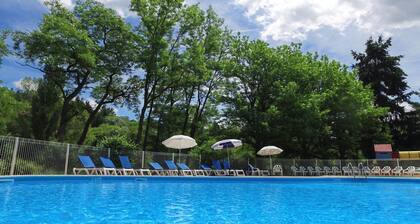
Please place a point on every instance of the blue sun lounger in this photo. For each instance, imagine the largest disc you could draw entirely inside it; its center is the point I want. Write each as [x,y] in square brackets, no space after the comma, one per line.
[219,171]
[186,171]
[157,169]
[206,168]
[109,166]
[88,166]
[172,168]
[126,165]
[226,165]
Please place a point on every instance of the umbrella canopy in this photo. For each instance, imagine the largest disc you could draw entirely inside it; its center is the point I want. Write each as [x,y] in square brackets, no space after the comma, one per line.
[227,143]
[179,142]
[269,151]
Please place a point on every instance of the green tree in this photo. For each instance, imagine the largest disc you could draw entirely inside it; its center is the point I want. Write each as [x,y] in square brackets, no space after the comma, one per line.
[157,47]
[114,53]
[3,46]
[310,106]
[62,49]
[12,113]
[206,48]
[382,72]
[188,81]
[45,110]
[409,135]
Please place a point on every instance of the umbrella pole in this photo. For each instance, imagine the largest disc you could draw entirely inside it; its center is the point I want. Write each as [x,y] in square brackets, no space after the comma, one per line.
[228,155]
[271,164]
[179,155]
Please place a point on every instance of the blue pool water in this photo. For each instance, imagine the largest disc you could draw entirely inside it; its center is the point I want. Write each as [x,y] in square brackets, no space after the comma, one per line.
[211,200]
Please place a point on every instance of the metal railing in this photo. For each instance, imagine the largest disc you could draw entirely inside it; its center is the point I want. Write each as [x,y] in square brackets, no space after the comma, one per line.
[20,156]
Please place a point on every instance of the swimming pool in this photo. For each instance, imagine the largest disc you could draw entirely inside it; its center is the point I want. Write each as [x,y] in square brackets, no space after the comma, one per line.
[208,200]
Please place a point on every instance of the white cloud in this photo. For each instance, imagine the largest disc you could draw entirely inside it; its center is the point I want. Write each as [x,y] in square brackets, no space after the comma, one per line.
[407,107]
[18,84]
[92,102]
[293,20]
[66,3]
[122,7]
[115,109]
[25,84]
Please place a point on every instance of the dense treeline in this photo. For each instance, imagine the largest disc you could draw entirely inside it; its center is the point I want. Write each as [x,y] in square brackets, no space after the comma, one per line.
[181,71]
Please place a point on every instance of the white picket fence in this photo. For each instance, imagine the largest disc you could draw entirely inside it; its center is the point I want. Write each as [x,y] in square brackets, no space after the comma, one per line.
[21,156]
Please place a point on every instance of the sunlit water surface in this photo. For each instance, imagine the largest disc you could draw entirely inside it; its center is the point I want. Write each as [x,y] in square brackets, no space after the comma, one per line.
[169,200]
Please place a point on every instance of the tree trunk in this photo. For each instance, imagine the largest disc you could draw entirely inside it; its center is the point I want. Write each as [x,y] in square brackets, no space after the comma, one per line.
[140,125]
[52,125]
[63,120]
[87,124]
[193,127]
[198,113]
[146,132]
[159,126]
[187,111]
[163,119]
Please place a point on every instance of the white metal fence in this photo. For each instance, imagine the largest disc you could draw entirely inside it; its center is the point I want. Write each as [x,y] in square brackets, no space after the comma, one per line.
[20,156]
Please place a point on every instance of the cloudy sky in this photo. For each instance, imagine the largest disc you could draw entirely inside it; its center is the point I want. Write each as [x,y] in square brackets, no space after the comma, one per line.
[331,27]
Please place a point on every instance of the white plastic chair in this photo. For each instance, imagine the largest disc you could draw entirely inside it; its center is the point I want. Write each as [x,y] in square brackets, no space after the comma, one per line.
[376,170]
[409,171]
[397,171]
[327,170]
[336,171]
[319,171]
[277,169]
[386,170]
[311,170]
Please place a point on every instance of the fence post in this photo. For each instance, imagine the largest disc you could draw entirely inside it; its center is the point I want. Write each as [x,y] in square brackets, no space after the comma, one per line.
[67,159]
[15,149]
[142,159]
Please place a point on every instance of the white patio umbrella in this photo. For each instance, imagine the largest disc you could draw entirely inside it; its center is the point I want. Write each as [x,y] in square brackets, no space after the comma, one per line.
[227,144]
[269,151]
[179,142]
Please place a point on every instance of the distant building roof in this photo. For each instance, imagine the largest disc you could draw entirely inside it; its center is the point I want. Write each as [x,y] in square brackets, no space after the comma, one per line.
[383,147]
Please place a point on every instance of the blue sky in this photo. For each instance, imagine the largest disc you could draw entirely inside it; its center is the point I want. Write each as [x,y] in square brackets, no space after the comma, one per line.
[331,27]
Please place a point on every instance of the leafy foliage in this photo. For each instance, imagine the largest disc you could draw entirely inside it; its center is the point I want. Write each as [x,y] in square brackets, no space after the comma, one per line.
[383,74]
[3,47]
[182,71]
[311,107]
[117,143]
[11,110]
